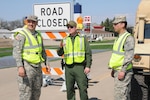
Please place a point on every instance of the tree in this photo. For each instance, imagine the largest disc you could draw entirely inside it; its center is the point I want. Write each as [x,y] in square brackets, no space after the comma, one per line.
[15,24]
[10,25]
[108,25]
[102,23]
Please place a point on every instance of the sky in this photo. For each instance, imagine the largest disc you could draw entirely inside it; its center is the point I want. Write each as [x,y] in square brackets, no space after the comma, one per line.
[99,10]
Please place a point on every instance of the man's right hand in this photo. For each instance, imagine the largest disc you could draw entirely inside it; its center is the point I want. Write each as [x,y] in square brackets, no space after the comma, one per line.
[61,44]
[112,73]
[21,72]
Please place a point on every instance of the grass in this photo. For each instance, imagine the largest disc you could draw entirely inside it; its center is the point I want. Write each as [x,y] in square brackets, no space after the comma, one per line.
[101,46]
[51,47]
[95,45]
[105,41]
[5,49]
[5,52]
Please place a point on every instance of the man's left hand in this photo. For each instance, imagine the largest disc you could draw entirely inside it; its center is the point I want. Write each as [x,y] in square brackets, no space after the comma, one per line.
[121,75]
[48,69]
[86,70]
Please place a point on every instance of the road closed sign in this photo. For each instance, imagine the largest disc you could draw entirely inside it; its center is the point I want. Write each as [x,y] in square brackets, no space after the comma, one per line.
[52,16]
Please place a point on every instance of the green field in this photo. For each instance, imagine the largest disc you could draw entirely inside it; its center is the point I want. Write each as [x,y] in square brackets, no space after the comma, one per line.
[94,45]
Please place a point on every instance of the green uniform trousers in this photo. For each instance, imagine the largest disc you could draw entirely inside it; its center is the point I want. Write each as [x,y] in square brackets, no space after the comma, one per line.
[75,73]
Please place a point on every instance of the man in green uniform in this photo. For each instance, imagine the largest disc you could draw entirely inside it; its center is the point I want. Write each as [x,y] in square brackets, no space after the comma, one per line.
[78,59]
[29,52]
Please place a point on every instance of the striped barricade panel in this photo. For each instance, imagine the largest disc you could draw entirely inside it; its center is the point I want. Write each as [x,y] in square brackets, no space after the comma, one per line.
[52,53]
[52,35]
[54,71]
[44,70]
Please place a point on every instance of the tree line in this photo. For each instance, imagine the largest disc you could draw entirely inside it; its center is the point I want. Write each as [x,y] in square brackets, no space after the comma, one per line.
[109,26]
[11,25]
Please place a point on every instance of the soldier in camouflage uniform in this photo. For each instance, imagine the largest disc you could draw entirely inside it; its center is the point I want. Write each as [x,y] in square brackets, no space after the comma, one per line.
[121,59]
[29,53]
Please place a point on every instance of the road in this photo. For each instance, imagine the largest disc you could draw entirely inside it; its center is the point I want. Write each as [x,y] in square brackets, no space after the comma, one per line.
[100,85]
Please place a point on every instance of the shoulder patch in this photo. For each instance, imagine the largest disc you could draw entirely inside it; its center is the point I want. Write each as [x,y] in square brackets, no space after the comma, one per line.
[18,36]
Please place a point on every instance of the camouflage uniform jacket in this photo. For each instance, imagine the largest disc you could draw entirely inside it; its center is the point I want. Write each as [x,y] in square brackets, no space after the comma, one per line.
[129,52]
[18,45]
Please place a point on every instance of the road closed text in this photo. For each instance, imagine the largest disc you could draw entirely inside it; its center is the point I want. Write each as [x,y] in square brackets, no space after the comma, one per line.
[52,22]
[53,16]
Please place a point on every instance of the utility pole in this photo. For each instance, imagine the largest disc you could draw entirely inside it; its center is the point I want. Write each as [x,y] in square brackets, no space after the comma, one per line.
[73,3]
[0,23]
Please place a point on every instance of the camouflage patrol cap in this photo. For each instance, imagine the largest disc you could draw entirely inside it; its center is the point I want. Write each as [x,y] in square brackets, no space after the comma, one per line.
[119,19]
[33,18]
[72,23]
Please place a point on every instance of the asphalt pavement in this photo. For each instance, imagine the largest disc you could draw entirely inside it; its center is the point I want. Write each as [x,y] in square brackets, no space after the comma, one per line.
[100,85]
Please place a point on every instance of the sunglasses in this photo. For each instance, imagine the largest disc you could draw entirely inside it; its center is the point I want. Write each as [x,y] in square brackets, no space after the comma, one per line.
[115,23]
[118,23]
[70,27]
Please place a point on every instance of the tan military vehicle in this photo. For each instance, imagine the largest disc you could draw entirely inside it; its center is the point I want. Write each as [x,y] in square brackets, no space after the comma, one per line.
[140,89]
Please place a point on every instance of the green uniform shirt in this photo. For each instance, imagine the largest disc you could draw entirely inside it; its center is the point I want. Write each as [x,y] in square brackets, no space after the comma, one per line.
[88,53]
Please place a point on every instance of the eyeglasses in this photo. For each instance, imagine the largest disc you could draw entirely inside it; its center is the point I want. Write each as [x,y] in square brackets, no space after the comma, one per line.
[31,21]
[70,27]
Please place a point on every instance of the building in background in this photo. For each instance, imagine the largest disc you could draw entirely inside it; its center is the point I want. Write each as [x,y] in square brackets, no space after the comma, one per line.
[5,34]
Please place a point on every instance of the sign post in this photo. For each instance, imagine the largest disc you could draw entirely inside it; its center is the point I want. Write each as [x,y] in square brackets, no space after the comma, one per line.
[52,21]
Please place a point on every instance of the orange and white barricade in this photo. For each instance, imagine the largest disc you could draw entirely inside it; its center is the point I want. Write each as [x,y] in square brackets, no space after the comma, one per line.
[53,71]
[52,53]
[54,35]
[46,77]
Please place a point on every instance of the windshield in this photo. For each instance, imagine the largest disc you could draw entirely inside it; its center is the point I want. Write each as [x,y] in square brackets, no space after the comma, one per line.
[147,31]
